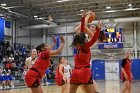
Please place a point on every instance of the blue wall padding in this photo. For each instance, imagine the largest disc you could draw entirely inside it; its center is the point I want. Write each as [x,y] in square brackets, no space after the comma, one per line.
[98,69]
[1,29]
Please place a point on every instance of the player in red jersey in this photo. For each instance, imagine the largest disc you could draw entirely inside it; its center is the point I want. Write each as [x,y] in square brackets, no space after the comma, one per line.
[81,74]
[126,73]
[37,71]
[59,77]
[90,32]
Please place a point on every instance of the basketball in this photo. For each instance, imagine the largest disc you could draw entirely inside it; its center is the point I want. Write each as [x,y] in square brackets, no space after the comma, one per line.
[92,17]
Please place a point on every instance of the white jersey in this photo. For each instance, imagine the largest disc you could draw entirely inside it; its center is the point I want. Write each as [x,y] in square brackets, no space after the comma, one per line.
[67,71]
[30,62]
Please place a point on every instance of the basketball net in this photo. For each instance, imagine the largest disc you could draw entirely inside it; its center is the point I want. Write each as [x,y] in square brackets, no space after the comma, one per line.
[111,22]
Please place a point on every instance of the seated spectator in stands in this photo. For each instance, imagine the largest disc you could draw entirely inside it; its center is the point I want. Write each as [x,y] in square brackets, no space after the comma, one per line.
[11,58]
[9,65]
[4,61]
[4,80]
[1,79]
[1,57]
[14,65]
[8,81]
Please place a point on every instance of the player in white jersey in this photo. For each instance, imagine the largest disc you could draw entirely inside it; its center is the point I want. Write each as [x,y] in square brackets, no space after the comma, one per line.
[29,62]
[67,72]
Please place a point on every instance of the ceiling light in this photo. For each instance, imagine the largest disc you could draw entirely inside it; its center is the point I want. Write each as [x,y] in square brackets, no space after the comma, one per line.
[128,9]
[108,7]
[4,7]
[9,11]
[82,10]
[3,4]
[130,5]
[40,18]
[110,11]
[62,0]
[35,16]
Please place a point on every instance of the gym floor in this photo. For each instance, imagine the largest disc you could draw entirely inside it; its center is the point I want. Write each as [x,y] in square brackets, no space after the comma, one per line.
[105,87]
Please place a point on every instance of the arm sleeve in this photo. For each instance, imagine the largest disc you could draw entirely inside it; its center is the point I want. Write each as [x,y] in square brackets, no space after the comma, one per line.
[123,63]
[45,54]
[82,24]
[93,40]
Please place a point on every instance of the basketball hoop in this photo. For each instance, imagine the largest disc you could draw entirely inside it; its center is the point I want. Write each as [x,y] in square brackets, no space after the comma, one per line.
[111,20]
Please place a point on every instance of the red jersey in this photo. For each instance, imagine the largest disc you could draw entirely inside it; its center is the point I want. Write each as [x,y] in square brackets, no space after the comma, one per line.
[83,54]
[9,65]
[42,63]
[58,75]
[126,64]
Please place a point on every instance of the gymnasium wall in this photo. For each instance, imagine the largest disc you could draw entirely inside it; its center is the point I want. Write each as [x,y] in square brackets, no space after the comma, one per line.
[127,32]
[67,31]
[8,35]
[105,70]
[138,34]
[33,37]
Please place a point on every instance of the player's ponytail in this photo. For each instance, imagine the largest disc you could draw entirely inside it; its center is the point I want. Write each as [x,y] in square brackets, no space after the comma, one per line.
[60,58]
[40,47]
[78,39]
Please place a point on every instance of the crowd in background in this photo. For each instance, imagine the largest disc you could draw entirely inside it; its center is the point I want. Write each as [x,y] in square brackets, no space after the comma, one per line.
[12,65]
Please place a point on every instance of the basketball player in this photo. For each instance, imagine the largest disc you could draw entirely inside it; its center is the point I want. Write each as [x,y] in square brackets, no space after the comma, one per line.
[90,32]
[67,72]
[31,60]
[37,71]
[59,77]
[81,74]
[126,73]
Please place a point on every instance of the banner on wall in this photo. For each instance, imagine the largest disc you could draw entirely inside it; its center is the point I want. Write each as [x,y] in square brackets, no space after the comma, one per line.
[7,24]
[74,51]
[1,29]
[58,42]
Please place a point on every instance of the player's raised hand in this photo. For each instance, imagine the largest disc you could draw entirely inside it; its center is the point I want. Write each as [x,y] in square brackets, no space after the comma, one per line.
[99,24]
[54,40]
[62,39]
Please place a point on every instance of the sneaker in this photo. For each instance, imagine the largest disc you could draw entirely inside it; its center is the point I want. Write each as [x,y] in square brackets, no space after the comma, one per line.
[12,86]
[48,83]
[7,87]
[4,87]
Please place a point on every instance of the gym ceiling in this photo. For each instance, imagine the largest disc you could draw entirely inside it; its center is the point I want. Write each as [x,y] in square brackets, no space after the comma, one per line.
[31,12]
